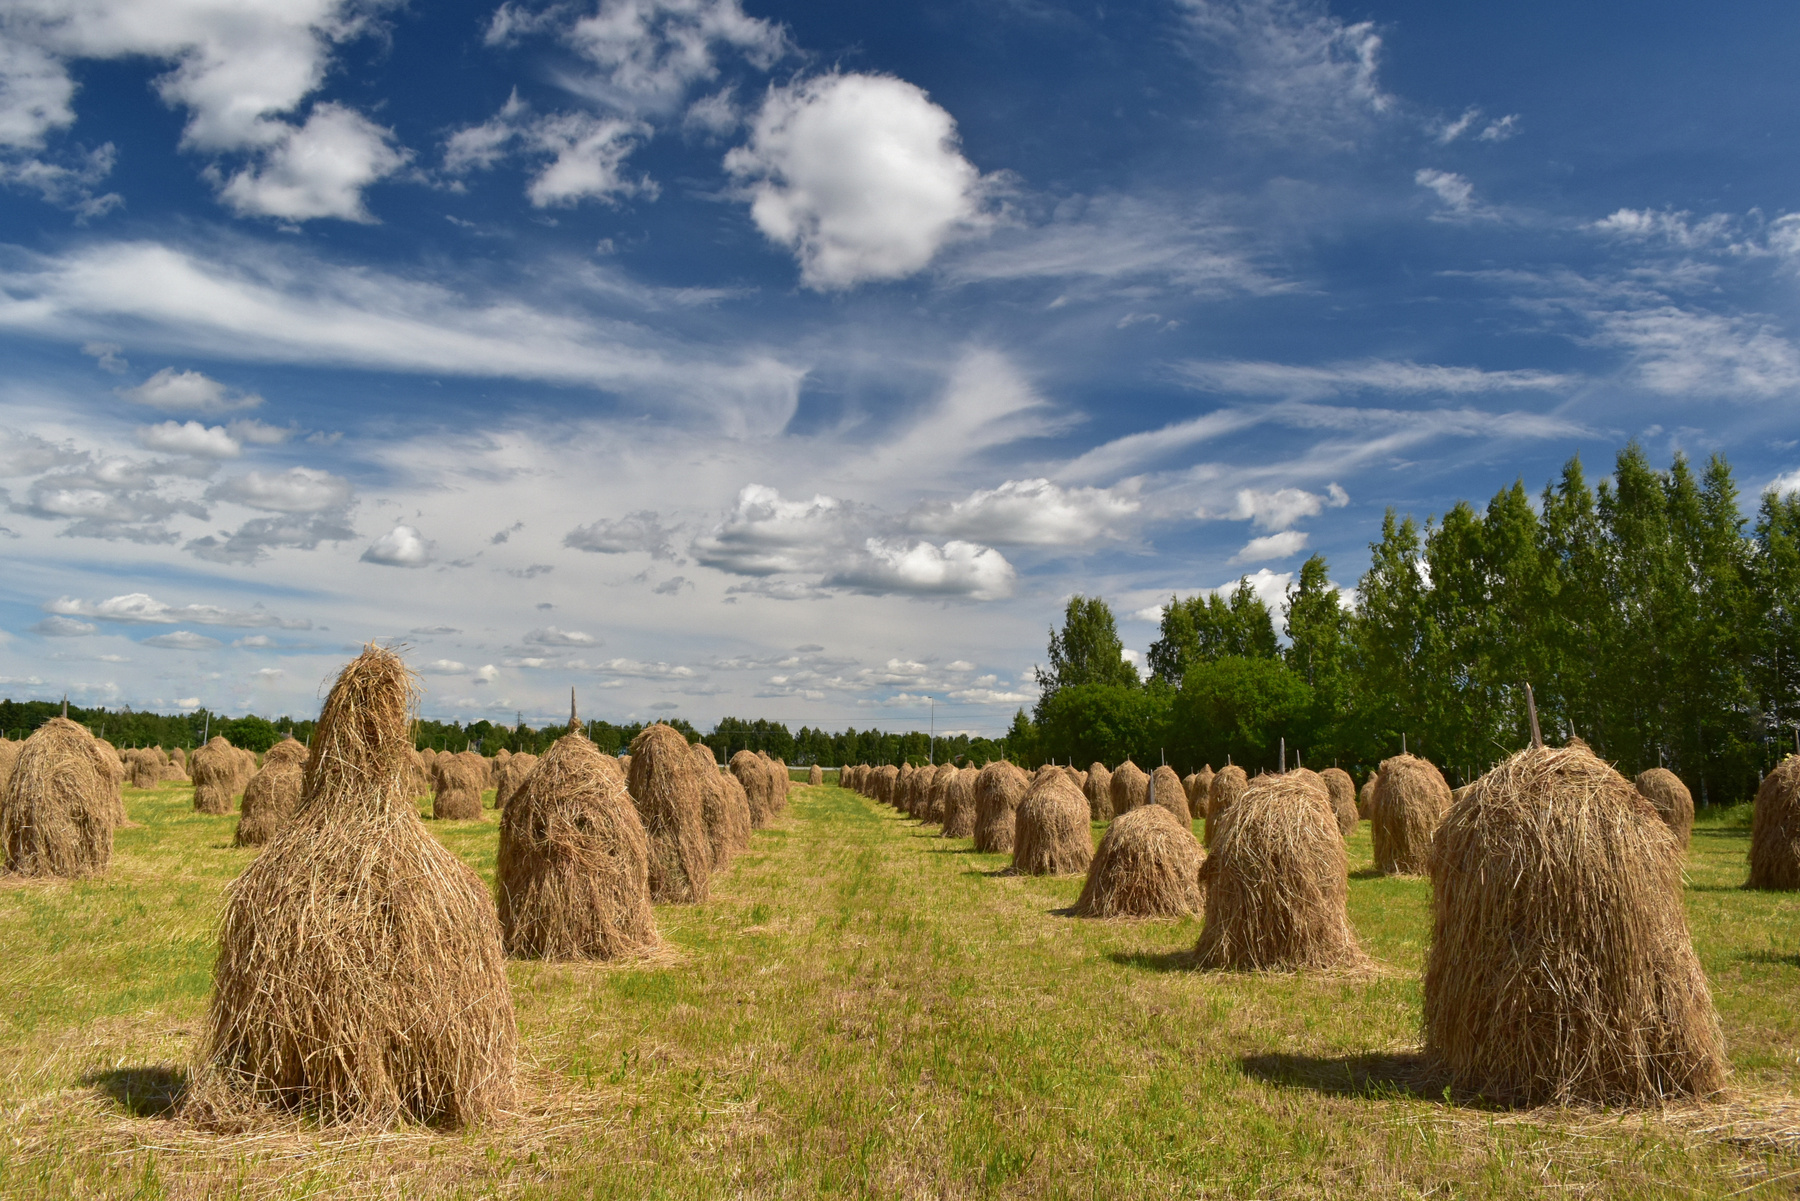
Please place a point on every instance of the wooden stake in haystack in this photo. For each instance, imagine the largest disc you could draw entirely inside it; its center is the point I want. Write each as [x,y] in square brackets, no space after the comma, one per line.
[360,975]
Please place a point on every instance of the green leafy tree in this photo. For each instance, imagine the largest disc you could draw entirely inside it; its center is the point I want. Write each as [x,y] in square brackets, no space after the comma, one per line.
[1775,646]
[1086,650]
[1107,722]
[250,732]
[1320,652]
[1239,709]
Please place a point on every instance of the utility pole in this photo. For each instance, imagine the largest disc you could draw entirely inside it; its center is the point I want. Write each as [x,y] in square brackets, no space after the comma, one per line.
[931,746]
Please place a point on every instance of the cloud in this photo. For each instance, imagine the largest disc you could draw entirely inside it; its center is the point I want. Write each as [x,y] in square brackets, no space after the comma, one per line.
[64,627]
[254,642]
[318,169]
[402,546]
[1281,508]
[486,674]
[116,498]
[190,438]
[640,531]
[639,669]
[139,608]
[1784,485]
[1678,229]
[1500,129]
[24,454]
[296,490]
[1032,512]
[1273,546]
[69,183]
[442,667]
[182,640]
[551,636]
[672,586]
[1454,190]
[1254,378]
[106,356]
[252,541]
[188,392]
[887,566]
[1681,352]
[860,176]
[648,53]
[765,535]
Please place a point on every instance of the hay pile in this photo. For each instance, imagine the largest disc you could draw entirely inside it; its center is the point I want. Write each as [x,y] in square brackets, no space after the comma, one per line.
[573,875]
[1775,829]
[1197,785]
[959,804]
[178,759]
[510,777]
[1166,790]
[1343,798]
[480,766]
[1560,967]
[9,755]
[456,792]
[1277,882]
[1128,787]
[1365,797]
[215,768]
[1148,865]
[1098,791]
[143,768]
[887,783]
[999,787]
[665,783]
[815,775]
[1671,800]
[1228,785]
[724,808]
[937,792]
[272,794]
[56,810]
[1078,778]
[1050,828]
[759,786]
[113,764]
[1410,800]
[360,975]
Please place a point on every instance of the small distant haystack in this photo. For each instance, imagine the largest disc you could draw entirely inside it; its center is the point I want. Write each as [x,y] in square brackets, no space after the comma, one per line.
[1166,790]
[938,793]
[456,794]
[143,768]
[758,786]
[1128,787]
[783,782]
[1277,882]
[724,808]
[999,787]
[511,777]
[1050,831]
[481,766]
[1343,798]
[1197,786]
[665,783]
[1228,785]
[1365,797]
[1148,865]
[816,775]
[272,794]
[1775,829]
[573,875]
[174,766]
[1098,791]
[887,784]
[1410,800]
[215,768]
[1671,800]
[56,810]
[360,975]
[1561,970]
[179,758]
[959,804]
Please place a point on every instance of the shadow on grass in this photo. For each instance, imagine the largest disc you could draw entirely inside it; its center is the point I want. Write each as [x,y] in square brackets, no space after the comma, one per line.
[143,1092]
[1770,958]
[1155,961]
[1367,873]
[1377,1076]
[952,850]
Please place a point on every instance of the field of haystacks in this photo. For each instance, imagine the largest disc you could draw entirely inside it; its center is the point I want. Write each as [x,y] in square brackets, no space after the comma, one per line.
[862,1006]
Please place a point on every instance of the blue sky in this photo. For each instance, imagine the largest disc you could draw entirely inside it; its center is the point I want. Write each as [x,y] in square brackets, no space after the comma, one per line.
[714,356]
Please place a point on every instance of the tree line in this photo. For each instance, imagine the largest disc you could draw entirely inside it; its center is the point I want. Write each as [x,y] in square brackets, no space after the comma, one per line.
[1651,618]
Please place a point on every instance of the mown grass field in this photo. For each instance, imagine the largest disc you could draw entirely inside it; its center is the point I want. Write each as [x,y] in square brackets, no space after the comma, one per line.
[865,1009]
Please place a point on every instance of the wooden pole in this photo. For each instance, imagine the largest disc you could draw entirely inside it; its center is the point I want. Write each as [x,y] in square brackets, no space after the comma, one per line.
[1537,735]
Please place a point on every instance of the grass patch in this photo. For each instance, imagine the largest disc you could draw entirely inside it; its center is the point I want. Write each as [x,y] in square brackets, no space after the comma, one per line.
[864,1009]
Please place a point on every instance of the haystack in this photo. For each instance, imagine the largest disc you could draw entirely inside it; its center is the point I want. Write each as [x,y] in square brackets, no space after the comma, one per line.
[143,768]
[215,768]
[481,766]
[724,809]
[1050,828]
[1277,882]
[174,768]
[1342,790]
[1197,785]
[1098,791]
[1077,777]
[999,787]
[938,792]
[511,777]
[457,790]
[112,762]
[1128,787]
[815,776]
[1671,800]
[1365,797]
[1167,791]
[573,876]
[56,810]
[179,758]
[887,783]
[959,804]
[1228,785]
[665,783]
[360,975]
[272,794]
[1560,968]
[418,775]
[758,787]
[1148,865]
[1410,800]
[1775,829]
[9,755]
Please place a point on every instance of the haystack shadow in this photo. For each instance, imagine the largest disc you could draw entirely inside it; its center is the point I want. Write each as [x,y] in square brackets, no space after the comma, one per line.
[1374,1075]
[1156,961]
[152,1091]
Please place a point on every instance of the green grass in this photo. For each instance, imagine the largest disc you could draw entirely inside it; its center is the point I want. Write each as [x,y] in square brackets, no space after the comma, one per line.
[864,1009]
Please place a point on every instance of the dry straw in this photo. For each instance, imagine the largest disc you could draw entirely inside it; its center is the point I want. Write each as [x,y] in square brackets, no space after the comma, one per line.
[724,809]
[113,764]
[999,787]
[887,782]
[1128,787]
[1277,882]
[1560,968]
[759,787]
[511,777]
[56,811]
[665,783]
[815,775]
[1365,797]
[1671,800]
[573,875]
[1197,786]
[143,768]
[1051,834]
[1342,790]
[1098,791]
[457,795]
[1166,790]
[1775,829]
[360,975]
[1228,785]
[1148,865]
[938,792]
[1410,800]
[959,804]
[215,768]
[272,794]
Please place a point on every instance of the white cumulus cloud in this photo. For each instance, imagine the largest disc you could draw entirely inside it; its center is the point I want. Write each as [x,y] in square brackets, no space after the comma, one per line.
[190,438]
[1273,546]
[296,490]
[922,569]
[318,169]
[182,640]
[402,546]
[1281,508]
[189,392]
[1031,512]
